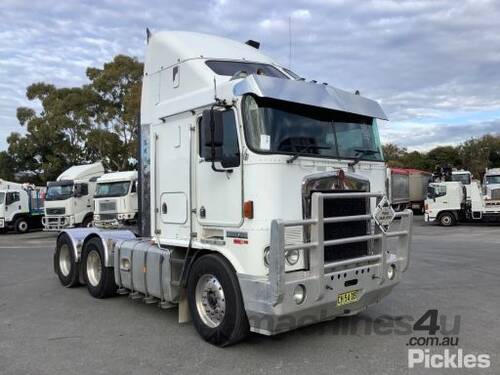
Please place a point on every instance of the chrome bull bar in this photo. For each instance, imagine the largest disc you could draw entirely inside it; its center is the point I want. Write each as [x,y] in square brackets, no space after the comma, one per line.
[316,245]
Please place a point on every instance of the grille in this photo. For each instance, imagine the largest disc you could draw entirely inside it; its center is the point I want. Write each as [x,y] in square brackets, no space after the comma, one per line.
[495,194]
[107,206]
[107,216]
[333,231]
[55,211]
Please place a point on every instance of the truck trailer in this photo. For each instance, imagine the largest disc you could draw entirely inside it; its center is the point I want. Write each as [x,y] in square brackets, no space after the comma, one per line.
[262,198]
[21,207]
[418,183]
[69,201]
[398,188]
[116,200]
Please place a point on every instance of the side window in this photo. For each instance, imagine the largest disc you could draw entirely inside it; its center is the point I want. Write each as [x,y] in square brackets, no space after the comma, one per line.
[440,191]
[12,198]
[231,148]
[84,189]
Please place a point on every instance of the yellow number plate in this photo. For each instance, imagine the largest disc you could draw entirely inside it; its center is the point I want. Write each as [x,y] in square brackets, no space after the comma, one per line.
[347,298]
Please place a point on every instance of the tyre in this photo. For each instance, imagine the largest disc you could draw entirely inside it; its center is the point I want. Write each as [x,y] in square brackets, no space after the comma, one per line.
[215,301]
[100,280]
[87,222]
[21,225]
[447,219]
[64,262]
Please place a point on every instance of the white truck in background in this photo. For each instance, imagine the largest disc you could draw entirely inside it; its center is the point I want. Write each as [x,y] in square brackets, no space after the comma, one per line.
[262,198]
[452,202]
[116,200]
[491,185]
[21,207]
[69,201]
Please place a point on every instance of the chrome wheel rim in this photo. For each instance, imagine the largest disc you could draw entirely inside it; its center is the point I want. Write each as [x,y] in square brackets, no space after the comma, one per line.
[64,260]
[210,300]
[94,268]
[446,220]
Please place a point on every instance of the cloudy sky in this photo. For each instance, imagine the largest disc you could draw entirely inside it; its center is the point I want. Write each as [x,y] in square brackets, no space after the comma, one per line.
[434,65]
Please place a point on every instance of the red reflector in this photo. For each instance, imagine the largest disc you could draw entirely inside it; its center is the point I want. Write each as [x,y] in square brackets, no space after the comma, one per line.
[238,241]
[248,209]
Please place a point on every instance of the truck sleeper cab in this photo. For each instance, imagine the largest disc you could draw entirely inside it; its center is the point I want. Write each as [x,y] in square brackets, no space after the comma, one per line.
[263,198]
[115,200]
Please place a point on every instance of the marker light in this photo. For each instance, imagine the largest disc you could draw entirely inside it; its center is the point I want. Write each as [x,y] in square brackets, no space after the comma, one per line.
[248,209]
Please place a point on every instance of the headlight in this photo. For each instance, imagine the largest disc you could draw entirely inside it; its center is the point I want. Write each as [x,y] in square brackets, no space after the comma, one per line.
[391,272]
[299,294]
[292,257]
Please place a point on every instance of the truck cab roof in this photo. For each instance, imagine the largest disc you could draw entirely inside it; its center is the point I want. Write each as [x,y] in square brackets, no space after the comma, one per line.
[117,176]
[82,172]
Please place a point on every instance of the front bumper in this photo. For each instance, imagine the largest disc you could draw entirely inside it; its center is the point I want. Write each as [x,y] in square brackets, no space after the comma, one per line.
[57,223]
[269,301]
[113,221]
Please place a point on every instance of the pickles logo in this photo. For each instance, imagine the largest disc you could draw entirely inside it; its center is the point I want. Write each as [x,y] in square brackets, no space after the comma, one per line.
[448,359]
[452,356]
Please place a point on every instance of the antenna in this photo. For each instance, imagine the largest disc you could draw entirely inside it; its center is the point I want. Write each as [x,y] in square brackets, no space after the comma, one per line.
[290,42]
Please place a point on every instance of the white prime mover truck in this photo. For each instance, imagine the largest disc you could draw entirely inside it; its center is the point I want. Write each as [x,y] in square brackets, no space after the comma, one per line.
[69,201]
[491,184]
[262,198]
[116,200]
[21,207]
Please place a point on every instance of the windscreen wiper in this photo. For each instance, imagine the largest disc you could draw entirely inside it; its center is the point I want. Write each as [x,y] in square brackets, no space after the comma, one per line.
[360,152]
[303,152]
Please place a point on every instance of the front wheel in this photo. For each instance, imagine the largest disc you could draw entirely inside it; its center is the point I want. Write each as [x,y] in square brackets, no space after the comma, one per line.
[100,279]
[215,301]
[21,225]
[447,219]
[87,222]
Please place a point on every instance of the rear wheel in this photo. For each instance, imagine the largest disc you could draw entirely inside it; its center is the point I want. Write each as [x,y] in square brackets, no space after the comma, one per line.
[21,225]
[447,219]
[215,301]
[64,262]
[100,280]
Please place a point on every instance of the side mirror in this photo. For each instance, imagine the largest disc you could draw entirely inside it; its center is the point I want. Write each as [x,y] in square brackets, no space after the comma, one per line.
[212,135]
[77,192]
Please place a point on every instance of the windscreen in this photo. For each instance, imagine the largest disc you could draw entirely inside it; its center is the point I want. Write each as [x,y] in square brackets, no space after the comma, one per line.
[464,178]
[57,192]
[492,179]
[273,126]
[112,189]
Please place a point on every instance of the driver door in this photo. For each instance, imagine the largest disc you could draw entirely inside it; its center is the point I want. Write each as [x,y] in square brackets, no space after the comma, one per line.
[219,194]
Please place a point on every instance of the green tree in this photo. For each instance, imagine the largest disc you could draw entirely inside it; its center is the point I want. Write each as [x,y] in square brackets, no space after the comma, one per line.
[80,124]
